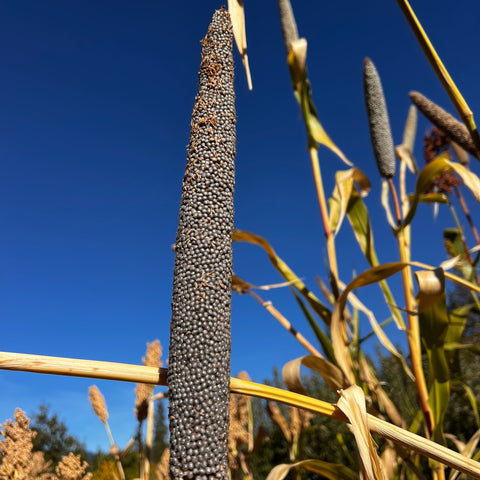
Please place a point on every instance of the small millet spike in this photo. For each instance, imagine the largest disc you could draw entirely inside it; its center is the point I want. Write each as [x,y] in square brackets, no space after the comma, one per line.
[378,121]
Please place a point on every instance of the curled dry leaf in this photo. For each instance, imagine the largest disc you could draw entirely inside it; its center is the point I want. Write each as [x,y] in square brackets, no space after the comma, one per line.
[332,375]
[352,404]
[344,188]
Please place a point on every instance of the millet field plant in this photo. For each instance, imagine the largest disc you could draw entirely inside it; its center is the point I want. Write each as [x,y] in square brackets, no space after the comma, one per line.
[211,414]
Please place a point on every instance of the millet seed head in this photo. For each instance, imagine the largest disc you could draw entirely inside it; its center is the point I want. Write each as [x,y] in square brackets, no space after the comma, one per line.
[378,121]
[199,353]
[449,125]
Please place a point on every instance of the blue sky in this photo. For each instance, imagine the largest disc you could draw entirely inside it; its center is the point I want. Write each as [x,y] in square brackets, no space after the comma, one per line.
[96,99]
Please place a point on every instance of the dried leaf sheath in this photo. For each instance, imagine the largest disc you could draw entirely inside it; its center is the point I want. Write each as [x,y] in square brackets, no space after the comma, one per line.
[199,356]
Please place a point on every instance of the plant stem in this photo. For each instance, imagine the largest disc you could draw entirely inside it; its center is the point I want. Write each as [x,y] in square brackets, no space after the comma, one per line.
[114,449]
[148,438]
[413,332]
[317,175]
[286,324]
[158,376]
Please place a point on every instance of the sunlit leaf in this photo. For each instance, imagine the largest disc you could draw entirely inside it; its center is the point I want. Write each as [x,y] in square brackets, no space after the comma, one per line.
[237,15]
[437,65]
[431,172]
[373,275]
[332,471]
[434,321]
[453,241]
[360,221]
[322,337]
[385,200]
[332,375]
[405,150]
[352,404]
[382,337]
[383,399]
[344,185]
[321,310]
[316,133]
[467,451]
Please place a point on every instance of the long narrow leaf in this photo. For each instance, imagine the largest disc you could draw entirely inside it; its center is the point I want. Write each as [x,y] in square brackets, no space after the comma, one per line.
[322,337]
[359,220]
[332,471]
[321,310]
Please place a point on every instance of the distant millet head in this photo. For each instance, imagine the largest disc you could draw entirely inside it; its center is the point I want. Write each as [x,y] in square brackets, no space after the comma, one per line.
[378,121]
[449,125]
[199,353]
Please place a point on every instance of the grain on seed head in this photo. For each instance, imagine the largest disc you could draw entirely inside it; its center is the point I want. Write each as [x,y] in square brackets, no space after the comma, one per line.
[449,125]
[378,121]
[199,353]
[97,400]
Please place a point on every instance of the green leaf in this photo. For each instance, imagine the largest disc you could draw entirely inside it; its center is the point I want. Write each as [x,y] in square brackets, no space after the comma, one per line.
[434,322]
[298,73]
[430,173]
[359,219]
[322,337]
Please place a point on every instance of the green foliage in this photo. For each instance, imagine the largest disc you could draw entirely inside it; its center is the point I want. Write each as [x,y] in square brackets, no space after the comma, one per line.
[160,432]
[53,438]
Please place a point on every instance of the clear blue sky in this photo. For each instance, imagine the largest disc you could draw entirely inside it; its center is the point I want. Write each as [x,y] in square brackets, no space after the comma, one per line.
[95,105]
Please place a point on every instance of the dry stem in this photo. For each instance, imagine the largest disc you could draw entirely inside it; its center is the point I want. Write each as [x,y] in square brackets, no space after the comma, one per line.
[139,373]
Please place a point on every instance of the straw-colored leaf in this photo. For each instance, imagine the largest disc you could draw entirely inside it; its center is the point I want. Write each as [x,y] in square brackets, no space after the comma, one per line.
[431,198]
[404,151]
[352,404]
[298,72]
[332,375]
[469,178]
[382,337]
[434,322]
[455,246]
[344,187]
[276,415]
[389,461]
[437,65]
[385,200]
[467,450]
[321,310]
[373,275]
[431,172]
[359,220]
[383,399]
[332,471]
[237,16]
[139,373]
[322,337]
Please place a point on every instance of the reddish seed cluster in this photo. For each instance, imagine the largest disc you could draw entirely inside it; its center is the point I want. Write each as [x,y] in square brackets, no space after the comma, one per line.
[199,354]
[434,144]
